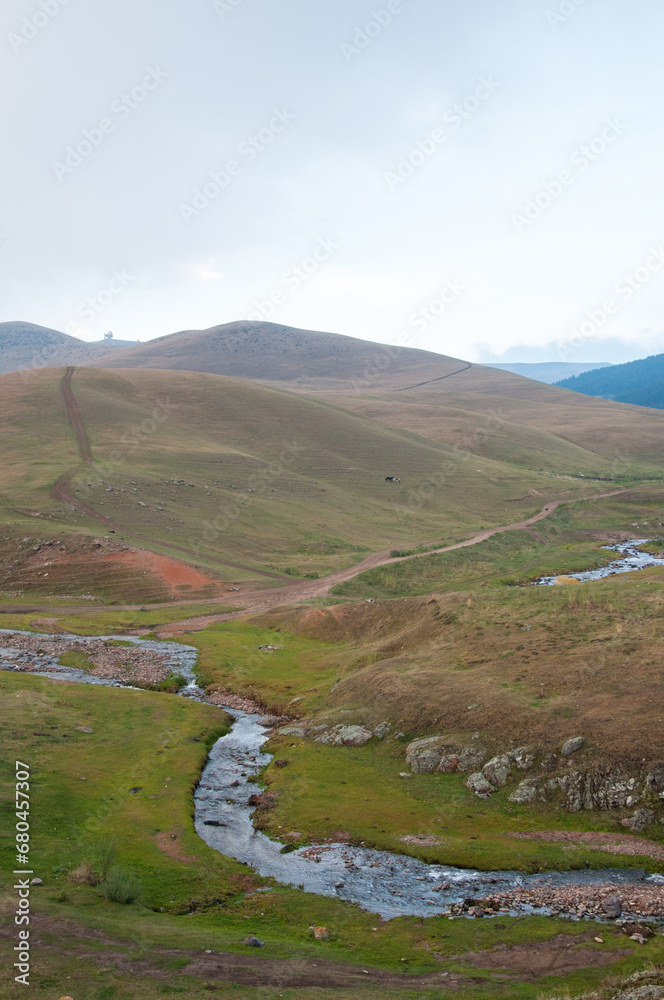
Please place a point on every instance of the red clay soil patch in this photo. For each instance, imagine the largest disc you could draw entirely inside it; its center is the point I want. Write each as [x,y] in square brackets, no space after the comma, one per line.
[169,844]
[179,578]
[612,843]
[99,568]
[557,957]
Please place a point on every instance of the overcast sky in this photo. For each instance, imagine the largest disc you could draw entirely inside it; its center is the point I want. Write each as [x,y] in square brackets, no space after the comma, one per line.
[472,177]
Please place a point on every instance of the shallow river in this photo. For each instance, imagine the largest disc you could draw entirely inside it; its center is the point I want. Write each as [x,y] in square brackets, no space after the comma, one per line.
[632,559]
[387,884]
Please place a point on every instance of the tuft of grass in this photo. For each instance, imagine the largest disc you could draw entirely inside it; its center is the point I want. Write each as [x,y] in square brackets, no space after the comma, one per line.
[121,885]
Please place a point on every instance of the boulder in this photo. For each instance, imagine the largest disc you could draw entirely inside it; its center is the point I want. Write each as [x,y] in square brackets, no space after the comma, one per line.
[478,783]
[498,770]
[292,731]
[449,763]
[612,907]
[353,736]
[639,820]
[253,942]
[471,758]
[347,736]
[321,933]
[571,746]
[525,792]
[655,780]
[381,730]
[424,756]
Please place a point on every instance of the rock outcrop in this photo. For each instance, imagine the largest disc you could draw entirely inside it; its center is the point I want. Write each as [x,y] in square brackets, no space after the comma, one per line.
[346,736]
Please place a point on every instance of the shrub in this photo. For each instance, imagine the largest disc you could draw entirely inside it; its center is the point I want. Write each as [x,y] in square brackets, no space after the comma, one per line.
[121,886]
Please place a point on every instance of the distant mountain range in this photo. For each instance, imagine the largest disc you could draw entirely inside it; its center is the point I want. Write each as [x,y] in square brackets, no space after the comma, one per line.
[638,382]
[550,372]
[26,345]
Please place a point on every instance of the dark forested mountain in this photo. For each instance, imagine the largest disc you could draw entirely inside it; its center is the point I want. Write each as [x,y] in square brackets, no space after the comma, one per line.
[639,382]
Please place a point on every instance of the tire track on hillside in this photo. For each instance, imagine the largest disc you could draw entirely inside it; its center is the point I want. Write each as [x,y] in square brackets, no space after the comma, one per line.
[429,381]
[62,489]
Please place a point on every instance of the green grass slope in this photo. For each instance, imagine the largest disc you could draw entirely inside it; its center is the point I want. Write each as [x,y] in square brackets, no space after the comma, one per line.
[232,470]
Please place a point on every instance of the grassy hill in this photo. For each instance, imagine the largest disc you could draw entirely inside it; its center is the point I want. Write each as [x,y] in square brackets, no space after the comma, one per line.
[24,346]
[273,353]
[256,483]
[639,382]
[230,470]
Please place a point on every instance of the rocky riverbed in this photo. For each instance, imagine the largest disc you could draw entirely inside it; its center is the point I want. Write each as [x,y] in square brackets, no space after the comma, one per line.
[116,660]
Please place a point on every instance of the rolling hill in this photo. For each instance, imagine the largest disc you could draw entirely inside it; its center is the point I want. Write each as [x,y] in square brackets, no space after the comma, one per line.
[246,480]
[637,382]
[25,346]
[282,354]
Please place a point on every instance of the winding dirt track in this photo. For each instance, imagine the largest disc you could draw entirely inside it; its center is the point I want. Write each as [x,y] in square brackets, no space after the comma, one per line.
[252,601]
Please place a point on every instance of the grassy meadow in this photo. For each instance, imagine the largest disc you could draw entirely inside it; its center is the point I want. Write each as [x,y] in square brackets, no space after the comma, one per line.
[129,783]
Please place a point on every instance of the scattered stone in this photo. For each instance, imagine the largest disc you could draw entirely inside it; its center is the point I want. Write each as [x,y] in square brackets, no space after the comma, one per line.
[478,783]
[571,746]
[321,933]
[525,792]
[36,881]
[135,790]
[234,784]
[639,938]
[253,942]
[292,731]
[381,730]
[85,729]
[639,820]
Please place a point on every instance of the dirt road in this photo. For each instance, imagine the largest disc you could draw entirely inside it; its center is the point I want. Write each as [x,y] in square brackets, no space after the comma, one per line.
[252,601]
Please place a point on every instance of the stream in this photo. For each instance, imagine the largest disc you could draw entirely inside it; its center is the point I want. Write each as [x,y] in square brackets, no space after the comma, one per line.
[633,559]
[380,882]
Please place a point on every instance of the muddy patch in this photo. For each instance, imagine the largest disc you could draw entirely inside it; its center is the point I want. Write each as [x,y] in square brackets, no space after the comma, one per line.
[558,957]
